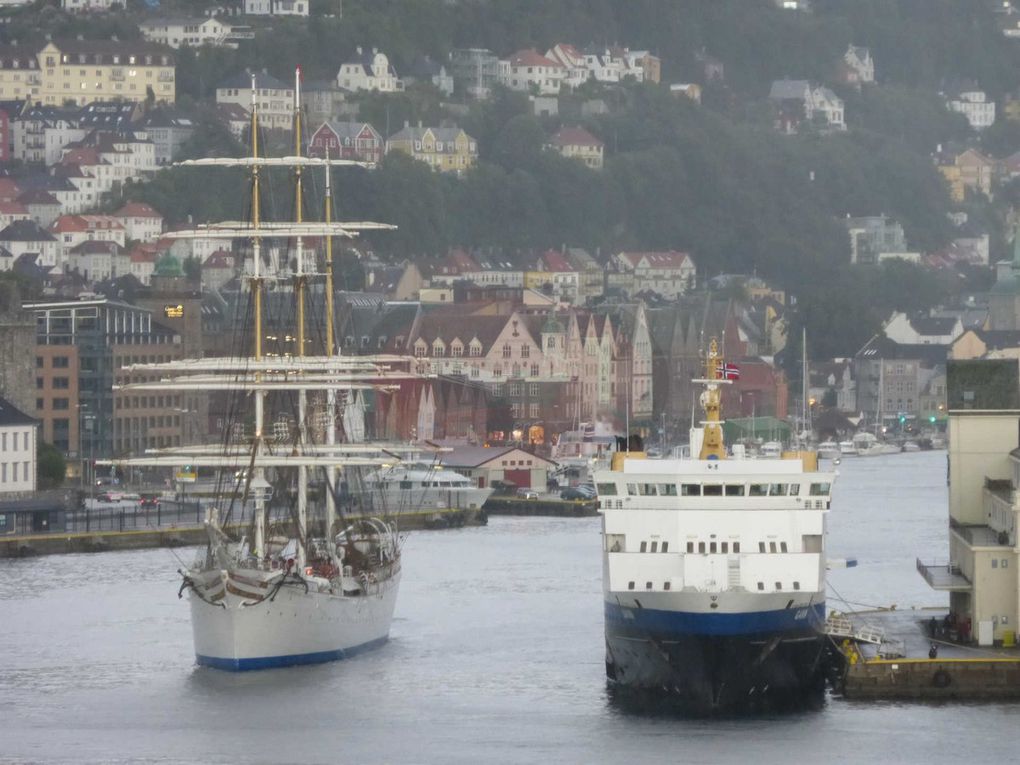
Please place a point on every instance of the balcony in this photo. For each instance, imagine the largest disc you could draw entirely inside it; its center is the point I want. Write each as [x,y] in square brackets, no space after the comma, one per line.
[943,576]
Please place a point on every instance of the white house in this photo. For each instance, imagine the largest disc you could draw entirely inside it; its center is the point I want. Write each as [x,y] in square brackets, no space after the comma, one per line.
[84,6]
[858,66]
[18,433]
[370,70]
[275,99]
[975,106]
[830,106]
[276,7]
[528,70]
[189,32]
[573,62]
[670,274]
[140,221]
[27,236]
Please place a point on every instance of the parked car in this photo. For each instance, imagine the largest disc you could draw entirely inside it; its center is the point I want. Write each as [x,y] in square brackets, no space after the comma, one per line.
[527,494]
[149,500]
[504,487]
[576,493]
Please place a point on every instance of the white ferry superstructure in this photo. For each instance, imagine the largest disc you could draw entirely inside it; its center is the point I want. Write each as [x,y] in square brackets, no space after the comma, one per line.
[714,570]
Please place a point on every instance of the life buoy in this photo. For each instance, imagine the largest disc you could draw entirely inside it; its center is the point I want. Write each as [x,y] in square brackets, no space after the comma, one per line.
[941,679]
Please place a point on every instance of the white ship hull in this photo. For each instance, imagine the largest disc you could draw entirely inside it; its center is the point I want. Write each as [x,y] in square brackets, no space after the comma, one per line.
[292,627]
[414,501]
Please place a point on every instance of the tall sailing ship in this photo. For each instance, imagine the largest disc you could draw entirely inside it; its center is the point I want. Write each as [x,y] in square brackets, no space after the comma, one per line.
[714,569]
[287,589]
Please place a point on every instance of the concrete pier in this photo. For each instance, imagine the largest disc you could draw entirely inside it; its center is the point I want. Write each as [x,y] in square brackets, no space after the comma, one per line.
[900,667]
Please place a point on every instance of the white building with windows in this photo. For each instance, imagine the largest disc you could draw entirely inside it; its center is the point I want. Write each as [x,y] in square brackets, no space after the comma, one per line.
[190,32]
[529,70]
[975,106]
[18,433]
[370,70]
[275,99]
[276,7]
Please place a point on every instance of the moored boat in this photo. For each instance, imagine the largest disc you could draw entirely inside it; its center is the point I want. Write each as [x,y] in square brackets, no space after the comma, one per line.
[714,571]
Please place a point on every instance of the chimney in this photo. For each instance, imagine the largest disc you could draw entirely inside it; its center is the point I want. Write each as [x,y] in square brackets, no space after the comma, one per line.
[358,49]
[81,37]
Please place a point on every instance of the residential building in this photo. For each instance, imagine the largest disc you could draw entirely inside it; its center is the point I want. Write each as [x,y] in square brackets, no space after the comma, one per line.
[27,236]
[40,133]
[591,276]
[18,434]
[141,222]
[973,104]
[446,149]
[689,90]
[982,575]
[193,32]
[275,99]
[425,69]
[578,143]
[369,70]
[922,330]
[236,118]
[97,261]
[83,71]
[86,6]
[218,269]
[554,273]
[895,381]
[275,7]
[42,206]
[530,71]
[572,60]
[976,171]
[857,67]
[798,101]
[873,235]
[1004,295]
[322,100]
[347,140]
[487,464]
[474,70]
[670,274]
[168,132]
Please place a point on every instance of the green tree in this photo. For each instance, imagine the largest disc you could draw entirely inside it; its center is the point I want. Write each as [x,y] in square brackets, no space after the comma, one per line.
[51,467]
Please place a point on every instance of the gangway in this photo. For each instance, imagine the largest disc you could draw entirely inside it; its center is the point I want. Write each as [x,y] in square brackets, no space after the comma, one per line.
[840,626]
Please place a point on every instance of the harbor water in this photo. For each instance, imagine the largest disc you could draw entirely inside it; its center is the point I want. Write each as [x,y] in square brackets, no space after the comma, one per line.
[496,656]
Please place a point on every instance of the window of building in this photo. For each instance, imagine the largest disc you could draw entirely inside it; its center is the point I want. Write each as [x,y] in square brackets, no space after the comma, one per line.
[506,350]
[701,547]
[644,547]
[690,490]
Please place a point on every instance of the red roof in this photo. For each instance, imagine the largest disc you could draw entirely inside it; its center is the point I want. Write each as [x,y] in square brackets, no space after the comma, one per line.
[83,156]
[8,189]
[12,208]
[575,136]
[670,259]
[554,260]
[137,210]
[532,57]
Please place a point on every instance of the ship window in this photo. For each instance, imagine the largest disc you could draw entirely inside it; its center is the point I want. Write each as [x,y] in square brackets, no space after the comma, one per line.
[782,547]
[632,489]
[644,547]
[667,489]
[724,547]
[690,547]
[736,547]
[761,547]
[794,489]
[665,585]
[701,547]
[796,585]
[425,484]
[630,585]
[734,490]
[648,585]
[607,489]
[405,484]
[646,489]
[778,490]
[665,546]
[761,585]
[759,490]
[712,547]
[655,547]
[713,490]
[779,586]
[690,490]
[819,489]
[772,547]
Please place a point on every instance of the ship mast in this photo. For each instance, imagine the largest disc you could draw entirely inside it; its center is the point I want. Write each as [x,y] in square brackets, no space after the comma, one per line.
[332,474]
[257,290]
[300,281]
[712,447]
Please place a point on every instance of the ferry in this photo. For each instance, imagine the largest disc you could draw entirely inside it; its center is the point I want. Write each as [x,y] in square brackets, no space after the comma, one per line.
[714,569]
[424,488]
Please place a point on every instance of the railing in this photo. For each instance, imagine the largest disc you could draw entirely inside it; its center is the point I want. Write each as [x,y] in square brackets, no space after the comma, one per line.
[943,576]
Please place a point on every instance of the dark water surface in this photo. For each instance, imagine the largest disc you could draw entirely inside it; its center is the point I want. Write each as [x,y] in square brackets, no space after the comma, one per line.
[496,656]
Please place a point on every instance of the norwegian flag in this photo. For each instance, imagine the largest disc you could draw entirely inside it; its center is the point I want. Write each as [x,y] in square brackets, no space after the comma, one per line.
[727,371]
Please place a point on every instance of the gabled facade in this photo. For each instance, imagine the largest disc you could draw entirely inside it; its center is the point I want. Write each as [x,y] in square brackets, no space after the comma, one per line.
[347,140]
[370,70]
[446,149]
[578,143]
[973,104]
[141,222]
[529,70]
[670,274]
[857,67]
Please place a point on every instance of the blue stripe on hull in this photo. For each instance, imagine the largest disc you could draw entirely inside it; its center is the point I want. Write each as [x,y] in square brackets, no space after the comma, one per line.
[685,623]
[270,662]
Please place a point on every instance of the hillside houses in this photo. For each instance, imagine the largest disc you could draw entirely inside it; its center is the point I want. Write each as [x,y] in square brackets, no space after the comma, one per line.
[799,103]
[578,143]
[369,70]
[669,274]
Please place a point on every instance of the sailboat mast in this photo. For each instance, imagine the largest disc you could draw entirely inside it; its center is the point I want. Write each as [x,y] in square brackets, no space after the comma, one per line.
[299,277]
[331,472]
[257,289]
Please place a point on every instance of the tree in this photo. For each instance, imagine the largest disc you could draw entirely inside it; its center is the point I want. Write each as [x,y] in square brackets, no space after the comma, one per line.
[51,466]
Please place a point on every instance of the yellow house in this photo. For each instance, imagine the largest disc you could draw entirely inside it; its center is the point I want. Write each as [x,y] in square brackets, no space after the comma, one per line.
[83,71]
[954,181]
[446,149]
